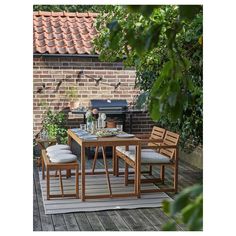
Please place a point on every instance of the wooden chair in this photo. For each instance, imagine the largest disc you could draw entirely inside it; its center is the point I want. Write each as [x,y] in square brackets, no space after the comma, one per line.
[148,140]
[50,165]
[165,155]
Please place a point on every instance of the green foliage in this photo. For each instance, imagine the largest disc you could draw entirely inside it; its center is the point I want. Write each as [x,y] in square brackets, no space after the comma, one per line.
[70,8]
[164,44]
[54,124]
[187,208]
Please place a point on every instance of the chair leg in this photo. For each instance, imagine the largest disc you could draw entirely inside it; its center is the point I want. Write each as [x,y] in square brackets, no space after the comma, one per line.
[162,173]
[43,173]
[77,181]
[176,178]
[95,159]
[126,174]
[117,165]
[150,170]
[48,183]
[61,184]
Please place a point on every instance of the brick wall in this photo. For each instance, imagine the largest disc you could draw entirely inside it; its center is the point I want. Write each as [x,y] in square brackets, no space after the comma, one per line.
[50,72]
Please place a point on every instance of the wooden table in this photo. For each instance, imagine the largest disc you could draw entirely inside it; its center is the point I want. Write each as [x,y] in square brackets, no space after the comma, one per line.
[107,142]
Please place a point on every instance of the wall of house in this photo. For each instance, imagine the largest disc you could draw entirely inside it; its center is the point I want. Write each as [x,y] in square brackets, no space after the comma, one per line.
[53,76]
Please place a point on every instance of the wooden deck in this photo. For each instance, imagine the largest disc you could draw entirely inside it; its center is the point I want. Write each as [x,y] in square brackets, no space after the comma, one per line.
[148,219]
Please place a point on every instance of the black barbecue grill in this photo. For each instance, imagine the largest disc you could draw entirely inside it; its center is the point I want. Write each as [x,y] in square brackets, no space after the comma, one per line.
[107,105]
[112,108]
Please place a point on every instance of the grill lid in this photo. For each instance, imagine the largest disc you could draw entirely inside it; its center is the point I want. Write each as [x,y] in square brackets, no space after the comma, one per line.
[114,104]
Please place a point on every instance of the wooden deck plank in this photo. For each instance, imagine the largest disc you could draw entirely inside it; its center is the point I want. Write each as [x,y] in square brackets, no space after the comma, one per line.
[46,220]
[61,228]
[162,216]
[152,218]
[82,221]
[58,220]
[71,222]
[142,224]
[129,219]
[123,220]
[118,221]
[106,221]
[94,221]
[37,226]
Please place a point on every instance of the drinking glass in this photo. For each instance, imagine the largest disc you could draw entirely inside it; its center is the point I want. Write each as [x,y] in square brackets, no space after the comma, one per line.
[119,127]
[83,126]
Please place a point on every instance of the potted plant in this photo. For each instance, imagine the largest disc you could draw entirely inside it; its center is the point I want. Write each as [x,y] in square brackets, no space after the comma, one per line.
[54,125]
[72,95]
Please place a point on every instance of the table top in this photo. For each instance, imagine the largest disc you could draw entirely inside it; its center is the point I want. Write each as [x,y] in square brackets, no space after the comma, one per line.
[104,141]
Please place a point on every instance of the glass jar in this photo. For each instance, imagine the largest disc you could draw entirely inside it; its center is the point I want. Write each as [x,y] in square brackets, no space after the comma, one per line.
[99,121]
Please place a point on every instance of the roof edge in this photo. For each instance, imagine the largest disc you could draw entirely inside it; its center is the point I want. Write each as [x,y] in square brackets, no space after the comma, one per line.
[64,55]
[64,13]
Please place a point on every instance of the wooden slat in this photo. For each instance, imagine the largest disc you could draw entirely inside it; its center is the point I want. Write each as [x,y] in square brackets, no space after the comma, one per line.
[36,215]
[188,176]
[58,220]
[71,222]
[118,221]
[106,221]
[94,221]
[82,221]
[46,220]
[142,224]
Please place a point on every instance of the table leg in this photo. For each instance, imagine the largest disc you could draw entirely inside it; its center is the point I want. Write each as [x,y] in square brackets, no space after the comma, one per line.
[106,170]
[77,182]
[82,173]
[138,171]
[114,160]
[95,159]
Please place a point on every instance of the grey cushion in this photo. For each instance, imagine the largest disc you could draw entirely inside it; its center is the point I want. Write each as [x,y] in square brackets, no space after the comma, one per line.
[63,158]
[58,147]
[122,148]
[58,152]
[147,156]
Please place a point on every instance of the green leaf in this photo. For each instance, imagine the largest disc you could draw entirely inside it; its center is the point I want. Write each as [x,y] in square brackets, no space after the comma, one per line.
[172,99]
[189,11]
[166,206]
[169,226]
[154,109]
[146,10]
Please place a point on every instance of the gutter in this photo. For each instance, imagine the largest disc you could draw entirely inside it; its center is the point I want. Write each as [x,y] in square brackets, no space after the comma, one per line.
[65,55]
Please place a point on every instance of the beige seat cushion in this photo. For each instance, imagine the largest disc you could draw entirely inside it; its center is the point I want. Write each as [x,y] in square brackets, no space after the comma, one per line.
[63,158]
[122,148]
[147,156]
[58,147]
[58,152]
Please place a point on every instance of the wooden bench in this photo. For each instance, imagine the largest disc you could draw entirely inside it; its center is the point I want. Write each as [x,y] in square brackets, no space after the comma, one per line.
[48,165]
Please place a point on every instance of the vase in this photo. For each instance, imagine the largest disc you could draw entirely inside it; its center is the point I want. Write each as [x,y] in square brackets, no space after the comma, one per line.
[89,126]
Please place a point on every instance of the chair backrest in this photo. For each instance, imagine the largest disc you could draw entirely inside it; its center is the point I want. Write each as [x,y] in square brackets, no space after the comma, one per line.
[157,133]
[170,139]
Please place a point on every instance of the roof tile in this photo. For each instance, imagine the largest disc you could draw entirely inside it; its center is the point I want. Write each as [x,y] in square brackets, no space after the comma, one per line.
[63,32]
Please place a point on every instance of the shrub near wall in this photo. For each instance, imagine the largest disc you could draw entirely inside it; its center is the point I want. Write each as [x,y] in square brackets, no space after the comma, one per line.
[53,76]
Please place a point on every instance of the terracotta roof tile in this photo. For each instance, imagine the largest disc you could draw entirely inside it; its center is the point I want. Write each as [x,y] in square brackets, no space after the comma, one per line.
[63,32]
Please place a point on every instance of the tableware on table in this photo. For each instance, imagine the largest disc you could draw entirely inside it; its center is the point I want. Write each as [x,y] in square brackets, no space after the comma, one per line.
[83,126]
[119,128]
[125,135]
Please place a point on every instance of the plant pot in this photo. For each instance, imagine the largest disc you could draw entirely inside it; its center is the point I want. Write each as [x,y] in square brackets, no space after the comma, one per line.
[111,124]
